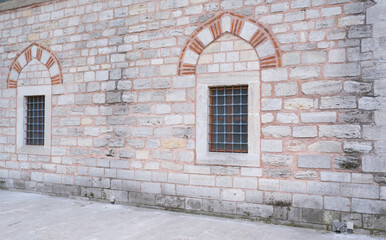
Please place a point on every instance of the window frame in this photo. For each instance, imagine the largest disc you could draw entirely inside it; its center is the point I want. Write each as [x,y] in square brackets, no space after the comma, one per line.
[228,119]
[204,82]
[22,93]
[35,120]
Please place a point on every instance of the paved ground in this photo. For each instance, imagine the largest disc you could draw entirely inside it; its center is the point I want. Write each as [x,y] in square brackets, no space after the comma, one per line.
[33,216]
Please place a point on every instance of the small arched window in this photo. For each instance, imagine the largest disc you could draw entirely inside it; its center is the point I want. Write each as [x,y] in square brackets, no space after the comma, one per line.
[33,73]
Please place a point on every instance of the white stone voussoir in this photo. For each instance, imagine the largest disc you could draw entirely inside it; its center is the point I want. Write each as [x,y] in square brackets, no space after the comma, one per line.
[190,57]
[248,30]
[45,56]
[205,36]
[22,60]
[265,49]
[226,24]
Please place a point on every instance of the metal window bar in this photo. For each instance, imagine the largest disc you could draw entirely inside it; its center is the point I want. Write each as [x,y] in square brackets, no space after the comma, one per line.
[35,120]
[228,123]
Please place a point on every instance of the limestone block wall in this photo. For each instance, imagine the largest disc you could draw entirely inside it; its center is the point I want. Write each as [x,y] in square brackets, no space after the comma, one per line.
[123,79]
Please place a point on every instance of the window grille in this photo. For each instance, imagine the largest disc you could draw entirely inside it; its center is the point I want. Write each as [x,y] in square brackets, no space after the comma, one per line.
[35,120]
[228,123]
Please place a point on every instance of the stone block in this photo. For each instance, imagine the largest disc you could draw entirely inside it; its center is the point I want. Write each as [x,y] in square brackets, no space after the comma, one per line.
[354,8]
[251,172]
[372,103]
[347,162]
[286,89]
[287,118]
[362,178]
[332,11]
[150,187]
[267,118]
[373,164]
[178,178]
[314,57]
[318,117]
[222,181]
[340,131]
[338,102]
[274,75]
[292,58]
[269,104]
[359,190]
[307,201]
[321,87]
[292,186]
[355,117]
[268,184]
[351,20]
[170,4]
[193,191]
[277,160]
[298,104]
[253,196]
[202,180]
[271,146]
[278,199]
[170,201]
[219,206]
[314,161]
[304,131]
[304,72]
[175,95]
[235,195]
[277,173]
[337,55]
[306,175]
[374,222]
[326,146]
[353,147]
[277,131]
[254,210]
[218,170]
[335,177]
[369,206]
[83,181]
[341,70]
[245,182]
[142,198]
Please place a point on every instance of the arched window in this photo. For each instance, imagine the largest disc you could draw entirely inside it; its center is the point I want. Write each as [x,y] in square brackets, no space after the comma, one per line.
[33,72]
[226,56]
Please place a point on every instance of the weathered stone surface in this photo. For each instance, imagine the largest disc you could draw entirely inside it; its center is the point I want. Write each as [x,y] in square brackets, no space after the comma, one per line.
[307,201]
[347,162]
[277,160]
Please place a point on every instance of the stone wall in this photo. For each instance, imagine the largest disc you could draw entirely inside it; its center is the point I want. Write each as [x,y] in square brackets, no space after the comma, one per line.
[123,76]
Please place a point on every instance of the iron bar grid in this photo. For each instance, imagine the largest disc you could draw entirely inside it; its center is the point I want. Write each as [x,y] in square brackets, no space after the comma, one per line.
[35,120]
[228,123]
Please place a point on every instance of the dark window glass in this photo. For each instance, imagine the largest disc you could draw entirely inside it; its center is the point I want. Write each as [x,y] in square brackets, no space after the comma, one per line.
[228,124]
[35,120]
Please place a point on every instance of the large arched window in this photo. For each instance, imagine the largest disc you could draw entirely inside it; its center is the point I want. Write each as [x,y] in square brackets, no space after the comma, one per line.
[226,55]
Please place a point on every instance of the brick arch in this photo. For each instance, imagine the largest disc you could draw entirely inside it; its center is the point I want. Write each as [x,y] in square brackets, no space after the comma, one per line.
[248,29]
[42,54]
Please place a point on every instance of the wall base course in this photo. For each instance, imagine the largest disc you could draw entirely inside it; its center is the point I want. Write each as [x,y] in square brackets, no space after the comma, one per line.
[305,217]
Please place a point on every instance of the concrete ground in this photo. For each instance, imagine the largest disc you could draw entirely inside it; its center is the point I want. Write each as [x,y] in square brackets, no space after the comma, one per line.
[33,216]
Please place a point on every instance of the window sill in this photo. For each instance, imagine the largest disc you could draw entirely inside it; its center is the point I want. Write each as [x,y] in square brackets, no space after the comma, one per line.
[230,159]
[34,150]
